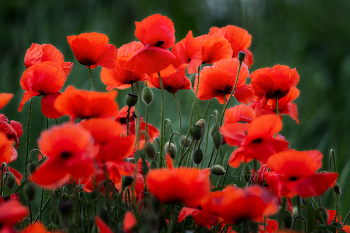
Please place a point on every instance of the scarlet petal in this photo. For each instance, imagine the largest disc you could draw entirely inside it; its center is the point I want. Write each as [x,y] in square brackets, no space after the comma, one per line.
[12,212]
[129,48]
[67,67]
[4,99]
[108,57]
[264,125]
[200,217]
[129,221]
[47,106]
[26,96]
[216,49]
[234,134]
[35,228]
[79,168]
[237,113]
[315,184]
[244,94]
[17,127]
[102,226]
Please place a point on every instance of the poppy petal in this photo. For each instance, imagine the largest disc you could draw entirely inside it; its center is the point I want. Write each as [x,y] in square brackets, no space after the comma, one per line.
[129,221]
[4,99]
[102,226]
[315,184]
[200,217]
[47,106]
[12,212]
[108,57]
[244,94]
[26,96]
[216,49]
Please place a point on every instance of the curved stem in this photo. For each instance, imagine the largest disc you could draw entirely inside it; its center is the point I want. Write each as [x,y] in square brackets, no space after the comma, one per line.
[127,120]
[183,156]
[92,84]
[179,108]
[161,122]
[207,109]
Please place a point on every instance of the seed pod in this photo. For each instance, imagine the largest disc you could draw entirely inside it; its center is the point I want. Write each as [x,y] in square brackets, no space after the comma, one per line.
[127,180]
[30,191]
[337,188]
[31,167]
[217,139]
[198,156]
[196,132]
[153,165]
[184,142]
[170,149]
[322,215]
[150,150]
[9,180]
[147,95]
[241,56]
[131,100]
[246,173]
[218,170]
[287,219]
[77,219]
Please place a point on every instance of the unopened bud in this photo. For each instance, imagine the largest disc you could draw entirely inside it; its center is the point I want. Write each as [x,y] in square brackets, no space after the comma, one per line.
[9,180]
[171,149]
[214,129]
[287,219]
[217,139]
[322,215]
[218,170]
[201,123]
[196,132]
[131,100]
[147,95]
[184,142]
[65,207]
[52,227]
[77,219]
[31,167]
[150,150]
[198,156]
[241,56]
[127,180]
[153,165]
[246,173]
[30,191]
[337,188]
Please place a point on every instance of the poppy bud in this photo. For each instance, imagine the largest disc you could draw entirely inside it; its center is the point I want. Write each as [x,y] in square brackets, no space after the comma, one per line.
[217,139]
[65,197]
[30,191]
[131,100]
[253,226]
[216,113]
[150,150]
[241,56]
[65,207]
[214,129]
[52,227]
[218,170]
[9,180]
[31,167]
[198,156]
[322,215]
[153,165]
[127,180]
[184,142]
[201,123]
[131,160]
[171,149]
[77,219]
[337,188]
[287,219]
[246,173]
[196,132]
[147,95]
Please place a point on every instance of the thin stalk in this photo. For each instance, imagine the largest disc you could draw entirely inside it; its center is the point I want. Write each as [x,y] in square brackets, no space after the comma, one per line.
[92,84]
[208,130]
[281,214]
[42,191]
[38,217]
[137,212]
[184,154]
[173,219]
[207,109]
[127,120]
[2,178]
[346,218]
[161,122]
[211,157]
[197,109]
[137,126]
[179,108]
[108,199]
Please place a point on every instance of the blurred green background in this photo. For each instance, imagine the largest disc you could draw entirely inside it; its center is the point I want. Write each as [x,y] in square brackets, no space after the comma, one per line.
[311,36]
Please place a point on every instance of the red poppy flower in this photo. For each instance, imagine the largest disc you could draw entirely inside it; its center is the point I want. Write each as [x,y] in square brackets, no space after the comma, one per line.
[255,140]
[239,39]
[271,83]
[250,203]
[86,104]
[239,113]
[200,217]
[12,197]
[201,50]
[6,150]
[10,213]
[70,150]
[185,185]
[92,49]
[129,221]
[35,228]
[4,99]
[271,226]
[158,34]
[13,129]
[130,48]
[102,226]
[43,78]
[46,52]
[218,81]
[172,79]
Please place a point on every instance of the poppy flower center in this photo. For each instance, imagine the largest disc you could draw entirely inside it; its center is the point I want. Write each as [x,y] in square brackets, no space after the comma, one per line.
[65,154]
[293,178]
[257,140]
[159,43]
[226,91]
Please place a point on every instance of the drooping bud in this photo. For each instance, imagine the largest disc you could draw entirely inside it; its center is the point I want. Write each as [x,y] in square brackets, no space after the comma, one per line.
[77,219]
[198,156]
[153,165]
[147,95]
[131,160]
[246,173]
[30,191]
[218,170]
[214,129]
[322,215]
[216,113]
[196,132]
[9,180]
[287,219]
[131,100]
[217,139]
[150,150]
[171,149]
[127,180]
[31,167]
[201,123]
[184,142]
[337,188]
[65,207]
[241,56]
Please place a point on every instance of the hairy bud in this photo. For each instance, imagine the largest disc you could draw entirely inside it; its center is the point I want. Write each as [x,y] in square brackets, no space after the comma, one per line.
[9,180]
[30,191]
[184,142]
[171,149]
[150,150]
[131,100]
[147,95]
[218,170]
[198,156]
[196,132]
[127,180]
[217,139]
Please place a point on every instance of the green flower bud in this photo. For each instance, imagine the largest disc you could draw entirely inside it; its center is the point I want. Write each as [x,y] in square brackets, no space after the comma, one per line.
[246,173]
[127,180]
[147,95]
[337,188]
[322,215]
[150,150]
[9,180]
[217,139]
[153,165]
[77,220]
[196,132]
[287,219]
[241,56]
[197,156]
[31,167]
[131,100]
[184,142]
[30,191]
[214,129]
[201,123]
[171,149]
[218,170]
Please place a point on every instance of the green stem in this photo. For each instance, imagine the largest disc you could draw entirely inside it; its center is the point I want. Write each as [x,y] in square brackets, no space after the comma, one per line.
[346,218]
[38,217]
[281,214]
[92,84]
[179,108]
[161,122]
[211,157]
[232,92]
[108,199]
[173,219]
[127,120]
[207,109]
[137,126]
[137,212]
[184,154]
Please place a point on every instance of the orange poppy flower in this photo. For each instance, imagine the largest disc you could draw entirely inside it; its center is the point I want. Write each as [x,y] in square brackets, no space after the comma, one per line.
[218,81]
[7,153]
[189,186]
[11,212]
[250,203]
[271,226]
[129,221]
[43,78]
[172,79]
[239,39]
[103,228]
[255,140]
[13,130]
[201,50]
[46,52]
[200,217]
[36,228]
[86,104]
[157,33]
[4,99]
[130,48]
[239,113]
[293,173]
[70,150]
[92,49]
[271,83]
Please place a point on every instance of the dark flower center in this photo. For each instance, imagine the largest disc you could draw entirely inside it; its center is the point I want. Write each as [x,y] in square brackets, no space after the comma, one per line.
[293,178]
[159,43]
[226,91]
[65,154]
[257,140]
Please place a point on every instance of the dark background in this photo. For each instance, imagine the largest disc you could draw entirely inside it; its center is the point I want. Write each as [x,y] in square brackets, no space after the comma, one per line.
[311,36]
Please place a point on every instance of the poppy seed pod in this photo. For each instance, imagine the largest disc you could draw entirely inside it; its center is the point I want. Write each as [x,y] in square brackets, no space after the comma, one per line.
[196,132]
[217,139]
[337,188]
[131,100]
[150,150]
[171,149]
[287,219]
[9,180]
[127,180]
[218,170]
[31,167]
[147,95]
[198,156]
[241,56]
[246,173]
[29,191]
[322,215]
[153,165]
[184,142]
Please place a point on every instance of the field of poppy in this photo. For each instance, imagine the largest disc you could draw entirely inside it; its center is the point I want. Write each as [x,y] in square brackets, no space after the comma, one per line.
[164,134]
